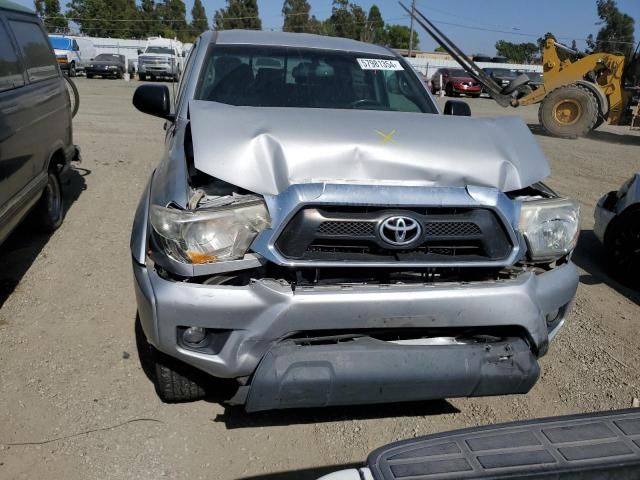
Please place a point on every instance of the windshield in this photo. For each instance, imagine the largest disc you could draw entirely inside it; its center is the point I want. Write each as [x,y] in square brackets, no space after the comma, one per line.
[309,78]
[458,72]
[60,43]
[106,57]
[161,50]
[503,72]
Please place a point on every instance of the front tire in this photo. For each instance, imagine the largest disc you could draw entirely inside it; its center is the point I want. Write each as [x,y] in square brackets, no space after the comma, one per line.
[49,211]
[142,77]
[622,242]
[174,381]
[72,70]
[569,112]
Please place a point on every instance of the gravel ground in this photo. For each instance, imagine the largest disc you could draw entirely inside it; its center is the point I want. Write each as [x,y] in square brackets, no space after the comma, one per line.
[75,403]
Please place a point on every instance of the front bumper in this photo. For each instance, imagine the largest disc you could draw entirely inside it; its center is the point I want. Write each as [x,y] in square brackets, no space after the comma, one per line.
[105,72]
[156,69]
[255,318]
[475,90]
[602,217]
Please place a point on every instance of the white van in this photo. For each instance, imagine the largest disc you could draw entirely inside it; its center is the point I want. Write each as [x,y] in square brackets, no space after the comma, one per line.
[72,53]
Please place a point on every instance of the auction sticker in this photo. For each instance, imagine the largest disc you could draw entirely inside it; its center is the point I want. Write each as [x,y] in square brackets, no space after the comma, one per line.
[378,64]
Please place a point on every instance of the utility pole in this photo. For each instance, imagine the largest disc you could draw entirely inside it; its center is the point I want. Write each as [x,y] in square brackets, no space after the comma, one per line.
[413,12]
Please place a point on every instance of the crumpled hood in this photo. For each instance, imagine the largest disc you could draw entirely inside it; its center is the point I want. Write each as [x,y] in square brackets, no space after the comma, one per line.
[265,150]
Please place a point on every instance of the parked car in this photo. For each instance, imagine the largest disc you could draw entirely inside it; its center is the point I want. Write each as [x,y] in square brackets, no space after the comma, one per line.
[455,81]
[36,144]
[502,76]
[536,79]
[162,57]
[72,53]
[107,65]
[322,234]
[617,226]
[600,445]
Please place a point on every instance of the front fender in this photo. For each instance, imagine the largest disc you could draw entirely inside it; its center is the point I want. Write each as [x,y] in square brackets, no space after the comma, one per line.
[140,227]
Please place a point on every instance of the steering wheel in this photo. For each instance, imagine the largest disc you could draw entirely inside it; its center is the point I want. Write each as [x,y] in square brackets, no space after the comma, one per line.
[362,102]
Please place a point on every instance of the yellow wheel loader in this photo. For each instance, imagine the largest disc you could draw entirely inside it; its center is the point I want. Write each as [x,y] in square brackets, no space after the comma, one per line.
[577,96]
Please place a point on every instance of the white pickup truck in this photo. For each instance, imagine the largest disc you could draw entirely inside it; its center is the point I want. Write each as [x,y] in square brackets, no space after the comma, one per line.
[161,57]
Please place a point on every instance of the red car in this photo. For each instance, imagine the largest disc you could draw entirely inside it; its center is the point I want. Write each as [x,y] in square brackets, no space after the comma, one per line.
[455,81]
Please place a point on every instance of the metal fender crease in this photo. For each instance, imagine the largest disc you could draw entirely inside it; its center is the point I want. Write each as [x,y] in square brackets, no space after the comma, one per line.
[265,149]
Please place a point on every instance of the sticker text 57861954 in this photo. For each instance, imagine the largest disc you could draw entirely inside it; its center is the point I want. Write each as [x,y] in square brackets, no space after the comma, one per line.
[379,64]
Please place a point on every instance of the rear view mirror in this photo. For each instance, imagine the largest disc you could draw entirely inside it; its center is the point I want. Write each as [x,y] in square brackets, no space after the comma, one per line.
[154,100]
[457,108]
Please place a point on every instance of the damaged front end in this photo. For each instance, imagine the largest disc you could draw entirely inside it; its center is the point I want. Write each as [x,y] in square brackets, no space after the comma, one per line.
[296,296]
[317,265]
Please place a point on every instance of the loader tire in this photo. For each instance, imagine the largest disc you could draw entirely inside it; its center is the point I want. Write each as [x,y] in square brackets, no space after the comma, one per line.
[569,112]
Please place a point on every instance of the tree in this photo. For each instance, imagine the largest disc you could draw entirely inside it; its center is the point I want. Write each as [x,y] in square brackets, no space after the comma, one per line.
[99,18]
[199,21]
[617,33]
[173,17]
[374,28]
[347,20]
[440,49]
[398,37]
[518,52]
[238,14]
[296,16]
[149,24]
[49,11]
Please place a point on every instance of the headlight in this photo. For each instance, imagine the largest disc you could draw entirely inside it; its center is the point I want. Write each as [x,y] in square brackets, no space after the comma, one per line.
[550,227]
[112,67]
[206,236]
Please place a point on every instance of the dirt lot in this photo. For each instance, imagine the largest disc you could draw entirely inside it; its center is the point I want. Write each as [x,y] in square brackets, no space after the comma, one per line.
[75,403]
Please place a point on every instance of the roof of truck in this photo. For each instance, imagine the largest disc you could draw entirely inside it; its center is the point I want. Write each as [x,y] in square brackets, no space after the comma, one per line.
[300,40]
[8,5]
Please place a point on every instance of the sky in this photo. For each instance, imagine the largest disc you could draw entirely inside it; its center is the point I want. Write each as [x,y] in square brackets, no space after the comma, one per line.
[478,23]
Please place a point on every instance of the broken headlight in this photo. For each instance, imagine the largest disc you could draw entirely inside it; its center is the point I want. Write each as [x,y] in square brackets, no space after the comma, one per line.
[206,236]
[550,226]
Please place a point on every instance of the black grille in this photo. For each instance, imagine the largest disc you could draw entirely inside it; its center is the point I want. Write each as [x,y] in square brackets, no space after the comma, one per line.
[353,234]
[451,229]
[347,229]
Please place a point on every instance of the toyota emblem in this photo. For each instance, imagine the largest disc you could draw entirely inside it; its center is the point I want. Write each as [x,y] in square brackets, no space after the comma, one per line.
[400,230]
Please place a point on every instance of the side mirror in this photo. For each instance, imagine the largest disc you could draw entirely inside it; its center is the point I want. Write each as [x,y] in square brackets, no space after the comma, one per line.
[154,100]
[139,51]
[455,107]
[184,54]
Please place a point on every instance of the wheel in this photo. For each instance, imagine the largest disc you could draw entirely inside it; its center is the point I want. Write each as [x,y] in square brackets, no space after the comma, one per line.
[89,75]
[569,112]
[174,381]
[49,211]
[448,90]
[142,77]
[72,70]
[622,242]
[120,75]
[515,84]
[475,95]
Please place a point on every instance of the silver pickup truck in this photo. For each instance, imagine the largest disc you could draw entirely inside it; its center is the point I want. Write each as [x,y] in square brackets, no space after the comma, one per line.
[319,232]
